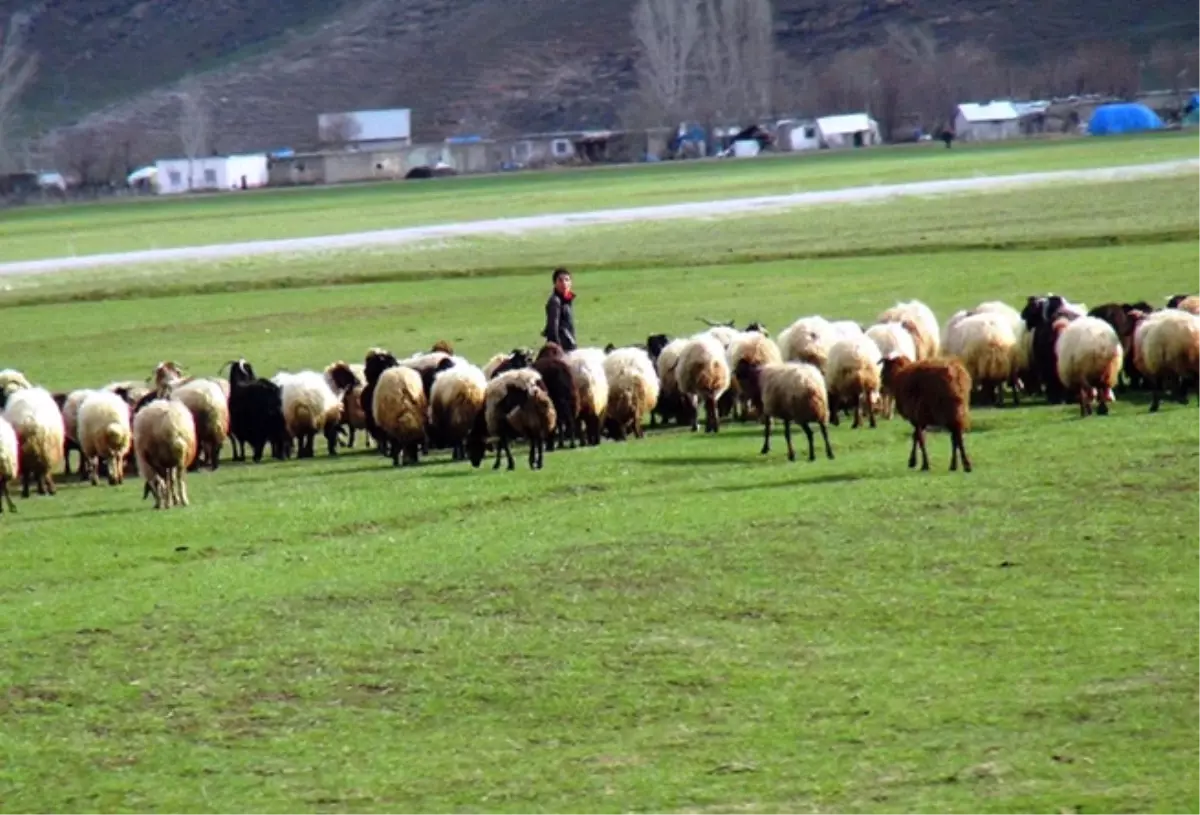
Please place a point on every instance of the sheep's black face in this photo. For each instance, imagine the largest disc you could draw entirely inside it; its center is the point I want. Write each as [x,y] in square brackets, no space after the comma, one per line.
[1034,312]
[759,327]
[1176,300]
[375,364]
[655,344]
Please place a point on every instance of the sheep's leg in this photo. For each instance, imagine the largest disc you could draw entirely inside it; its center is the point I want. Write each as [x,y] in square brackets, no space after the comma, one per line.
[508,454]
[787,435]
[7,497]
[1085,401]
[825,436]
[1102,402]
[912,456]
[94,472]
[712,417]
[812,450]
[857,423]
[67,458]
[696,415]
[1156,393]
[499,451]
[181,486]
[870,410]
[924,452]
[766,448]
[1181,391]
[331,438]
[957,437]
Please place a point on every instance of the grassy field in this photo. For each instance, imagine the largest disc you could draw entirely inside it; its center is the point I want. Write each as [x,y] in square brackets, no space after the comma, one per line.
[146,224]
[676,624]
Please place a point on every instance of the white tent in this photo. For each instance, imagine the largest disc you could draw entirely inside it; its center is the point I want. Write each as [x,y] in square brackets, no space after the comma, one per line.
[848,130]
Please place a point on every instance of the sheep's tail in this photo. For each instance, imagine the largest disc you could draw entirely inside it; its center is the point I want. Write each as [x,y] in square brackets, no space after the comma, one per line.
[115,436]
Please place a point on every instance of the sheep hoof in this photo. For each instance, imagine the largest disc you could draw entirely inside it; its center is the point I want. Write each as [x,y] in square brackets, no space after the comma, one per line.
[1102,409]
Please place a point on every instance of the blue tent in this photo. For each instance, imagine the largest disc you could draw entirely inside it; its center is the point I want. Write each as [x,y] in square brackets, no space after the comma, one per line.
[1123,117]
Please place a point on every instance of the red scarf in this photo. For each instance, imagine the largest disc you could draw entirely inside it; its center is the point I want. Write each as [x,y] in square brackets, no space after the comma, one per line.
[568,297]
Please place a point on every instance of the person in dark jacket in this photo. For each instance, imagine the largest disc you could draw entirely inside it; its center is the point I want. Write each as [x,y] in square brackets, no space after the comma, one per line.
[560,315]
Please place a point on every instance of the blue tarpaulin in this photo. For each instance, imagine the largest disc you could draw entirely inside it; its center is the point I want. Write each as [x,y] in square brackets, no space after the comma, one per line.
[1125,117]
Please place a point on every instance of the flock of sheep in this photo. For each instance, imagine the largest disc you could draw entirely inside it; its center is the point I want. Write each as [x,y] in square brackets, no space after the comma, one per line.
[815,370]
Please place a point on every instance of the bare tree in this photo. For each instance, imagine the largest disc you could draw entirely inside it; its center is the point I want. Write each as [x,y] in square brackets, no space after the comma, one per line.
[667,33]
[17,69]
[194,123]
[736,57]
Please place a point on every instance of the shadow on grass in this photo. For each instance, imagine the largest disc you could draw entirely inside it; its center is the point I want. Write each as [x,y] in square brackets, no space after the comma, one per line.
[18,520]
[693,461]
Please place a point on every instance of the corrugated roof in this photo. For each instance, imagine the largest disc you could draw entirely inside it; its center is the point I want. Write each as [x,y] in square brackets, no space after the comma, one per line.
[846,123]
[991,112]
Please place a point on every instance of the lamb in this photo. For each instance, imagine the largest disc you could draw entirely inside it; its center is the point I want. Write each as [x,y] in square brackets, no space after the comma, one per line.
[588,366]
[988,347]
[808,340]
[756,348]
[164,441]
[209,405]
[38,423]
[516,404]
[353,413]
[308,404]
[10,462]
[852,377]
[105,435]
[255,413]
[920,321]
[1089,357]
[400,409]
[551,364]
[1185,302]
[792,392]
[891,337]
[703,374]
[932,393]
[632,391]
[455,402]
[672,403]
[1166,344]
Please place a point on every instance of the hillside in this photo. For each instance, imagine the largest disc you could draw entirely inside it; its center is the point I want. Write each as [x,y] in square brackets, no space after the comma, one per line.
[270,67]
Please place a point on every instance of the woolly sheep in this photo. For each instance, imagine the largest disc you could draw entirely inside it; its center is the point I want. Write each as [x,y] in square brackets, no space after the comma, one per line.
[10,462]
[1167,344]
[791,392]
[891,337]
[455,402]
[588,366]
[105,435]
[920,321]
[723,334]
[672,403]
[1089,360]
[846,329]
[35,417]
[632,391]
[209,405]
[516,404]
[808,340]
[399,407]
[70,413]
[988,347]
[164,441]
[11,380]
[1185,302]
[852,377]
[308,402]
[354,415]
[932,393]
[703,374]
[755,348]
[339,378]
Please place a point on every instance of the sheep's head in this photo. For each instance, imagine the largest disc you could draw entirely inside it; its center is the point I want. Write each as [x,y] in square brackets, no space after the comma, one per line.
[759,327]
[655,344]
[166,375]
[340,375]
[1034,312]
[747,375]
[519,358]
[476,443]
[1174,300]
[240,371]
[608,349]
[551,350]
[376,362]
[892,364]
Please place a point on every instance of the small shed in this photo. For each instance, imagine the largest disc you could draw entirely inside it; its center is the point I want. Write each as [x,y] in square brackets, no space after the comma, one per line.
[177,175]
[990,121]
[799,134]
[847,130]
[1123,117]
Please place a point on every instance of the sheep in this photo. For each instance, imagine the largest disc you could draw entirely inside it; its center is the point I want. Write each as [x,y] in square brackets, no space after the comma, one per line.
[10,462]
[672,403]
[632,391]
[808,340]
[105,435]
[987,345]
[308,403]
[932,393]
[587,364]
[353,414]
[209,405]
[551,364]
[1167,344]
[703,374]
[891,337]
[516,404]
[376,362]
[69,406]
[920,321]
[852,377]
[1185,302]
[11,380]
[846,329]
[514,360]
[255,413]
[164,441]
[1088,354]
[38,423]
[400,408]
[1044,317]
[791,392]
[339,378]
[456,400]
[755,348]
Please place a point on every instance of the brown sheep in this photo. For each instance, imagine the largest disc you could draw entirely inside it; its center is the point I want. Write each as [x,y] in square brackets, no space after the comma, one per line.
[563,388]
[932,393]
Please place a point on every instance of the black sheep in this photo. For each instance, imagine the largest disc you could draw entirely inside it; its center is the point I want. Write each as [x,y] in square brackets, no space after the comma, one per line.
[560,381]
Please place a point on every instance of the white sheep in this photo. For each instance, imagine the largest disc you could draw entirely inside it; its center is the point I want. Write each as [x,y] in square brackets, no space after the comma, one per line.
[164,441]
[10,462]
[455,401]
[70,414]
[723,334]
[754,348]
[891,338]
[808,340]
[38,422]
[920,321]
[632,391]
[671,403]
[846,329]
[990,351]
[1166,344]
[209,405]
[852,377]
[400,410]
[791,392]
[516,404]
[703,374]
[587,364]
[1089,361]
[105,434]
[308,402]
[11,380]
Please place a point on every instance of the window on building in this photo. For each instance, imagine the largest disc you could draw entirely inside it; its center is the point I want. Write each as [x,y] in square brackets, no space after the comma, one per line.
[176,178]
[810,132]
[210,176]
[561,147]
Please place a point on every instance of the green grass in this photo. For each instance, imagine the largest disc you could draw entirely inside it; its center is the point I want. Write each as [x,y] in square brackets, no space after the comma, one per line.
[676,624]
[88,229]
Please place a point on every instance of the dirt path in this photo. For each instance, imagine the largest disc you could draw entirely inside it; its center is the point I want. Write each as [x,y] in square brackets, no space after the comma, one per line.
[390,237]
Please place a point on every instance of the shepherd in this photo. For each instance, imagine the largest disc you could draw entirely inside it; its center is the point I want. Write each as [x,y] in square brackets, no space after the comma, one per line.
[560,314]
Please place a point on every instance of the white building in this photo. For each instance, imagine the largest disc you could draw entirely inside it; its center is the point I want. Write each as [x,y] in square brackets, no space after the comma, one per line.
[848,130]
[797,134]
[366,129]
[990,121]
[177,175]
